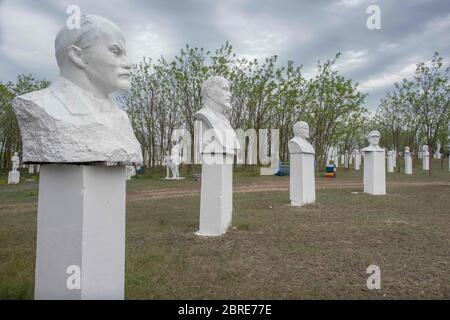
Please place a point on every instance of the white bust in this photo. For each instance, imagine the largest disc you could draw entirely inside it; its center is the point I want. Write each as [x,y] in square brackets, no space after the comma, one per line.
[425,149]
[373,138]
[216,97]
[75,120]
[300,144]
[407,151]
[15,161]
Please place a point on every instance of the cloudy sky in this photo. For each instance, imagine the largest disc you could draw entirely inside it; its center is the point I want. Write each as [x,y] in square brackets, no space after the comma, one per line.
[302,31]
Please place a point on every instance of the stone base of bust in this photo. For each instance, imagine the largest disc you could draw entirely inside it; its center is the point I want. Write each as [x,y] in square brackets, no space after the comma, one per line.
[216,200]
[81,222]
[390,164]
[375,172]
[408,165]
[302,189]
[174,178]
[13,177]
[426,162]
[357,161]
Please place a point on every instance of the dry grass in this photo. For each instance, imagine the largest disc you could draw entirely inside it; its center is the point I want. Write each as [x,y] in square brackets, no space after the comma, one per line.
[273,251]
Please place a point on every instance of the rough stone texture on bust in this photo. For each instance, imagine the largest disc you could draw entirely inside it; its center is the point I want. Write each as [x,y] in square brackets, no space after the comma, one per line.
[66,124]
[75,120]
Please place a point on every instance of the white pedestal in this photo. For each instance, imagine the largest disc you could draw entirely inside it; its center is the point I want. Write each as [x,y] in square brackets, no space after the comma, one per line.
[408,165]
[426,162]
[81,223]
[13,177]
[302,189]
[216,203]
[390,164]
[374,172]
[357,161]
[267,171]
[31,169]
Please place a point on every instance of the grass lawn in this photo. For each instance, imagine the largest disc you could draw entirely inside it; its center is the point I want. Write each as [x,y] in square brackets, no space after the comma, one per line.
[273,251]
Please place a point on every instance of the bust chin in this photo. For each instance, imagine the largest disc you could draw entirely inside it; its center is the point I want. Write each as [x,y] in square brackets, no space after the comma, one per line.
[67,124]
[299,144]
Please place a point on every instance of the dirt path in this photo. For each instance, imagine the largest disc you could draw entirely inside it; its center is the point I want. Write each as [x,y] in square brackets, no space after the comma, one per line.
[267,187]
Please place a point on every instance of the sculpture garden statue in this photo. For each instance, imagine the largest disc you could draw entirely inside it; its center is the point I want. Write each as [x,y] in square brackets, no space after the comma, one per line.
[14,174]
[302,181]
[357,159]
[425,158]
[408,161]
[83,141]
[390,161]
[219,145]
[374,166]
[173,161]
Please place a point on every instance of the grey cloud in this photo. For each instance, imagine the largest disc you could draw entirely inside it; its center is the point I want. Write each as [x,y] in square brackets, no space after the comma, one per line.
[316,29]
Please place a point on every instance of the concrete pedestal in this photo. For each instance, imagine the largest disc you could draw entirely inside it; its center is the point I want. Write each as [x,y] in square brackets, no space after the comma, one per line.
[13,177]
[216,203]
[390,163]
[426,162]
[408,165]
[374,172]
[357,161]
[81,226]
[302,188]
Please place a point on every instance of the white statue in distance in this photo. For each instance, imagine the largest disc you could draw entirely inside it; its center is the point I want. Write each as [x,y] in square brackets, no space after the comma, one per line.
[173,160]
[300,144]
[374,139]
[15,161]
[75,120]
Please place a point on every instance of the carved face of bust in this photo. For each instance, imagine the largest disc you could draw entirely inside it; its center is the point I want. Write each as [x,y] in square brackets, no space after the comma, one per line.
[217,89]
[425,148]
[407,150]
[301,129]
[374,138]
[106,63]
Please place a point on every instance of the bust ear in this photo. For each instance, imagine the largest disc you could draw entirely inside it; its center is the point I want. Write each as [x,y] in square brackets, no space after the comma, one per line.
[76,55]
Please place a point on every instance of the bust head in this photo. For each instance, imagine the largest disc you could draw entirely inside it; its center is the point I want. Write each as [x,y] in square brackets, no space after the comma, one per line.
[425,148]
[407,150]
[301,129]
[373,138]
[93,56]
[216,94]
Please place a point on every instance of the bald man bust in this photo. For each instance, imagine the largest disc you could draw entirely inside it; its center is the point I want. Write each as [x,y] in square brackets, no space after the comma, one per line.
[75,120]
[300,144]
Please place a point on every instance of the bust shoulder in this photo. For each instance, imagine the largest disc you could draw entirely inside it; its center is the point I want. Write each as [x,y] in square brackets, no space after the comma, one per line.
[300,145]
